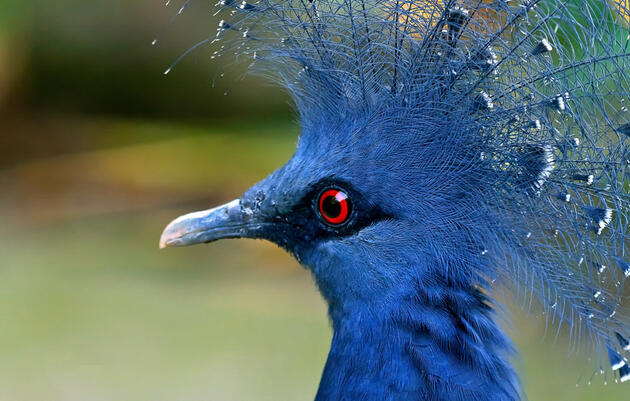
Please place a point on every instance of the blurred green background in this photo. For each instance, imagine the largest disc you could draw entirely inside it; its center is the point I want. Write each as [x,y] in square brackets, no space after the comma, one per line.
[98,151]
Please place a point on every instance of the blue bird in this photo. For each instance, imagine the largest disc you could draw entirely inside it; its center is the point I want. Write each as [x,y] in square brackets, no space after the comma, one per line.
[449,149]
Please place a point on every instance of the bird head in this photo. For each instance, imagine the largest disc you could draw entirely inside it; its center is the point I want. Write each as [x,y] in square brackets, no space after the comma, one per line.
[369,218]
[388,189]
[445,145]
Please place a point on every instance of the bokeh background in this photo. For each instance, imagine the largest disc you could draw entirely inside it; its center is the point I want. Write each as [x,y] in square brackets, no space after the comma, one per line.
[98,151]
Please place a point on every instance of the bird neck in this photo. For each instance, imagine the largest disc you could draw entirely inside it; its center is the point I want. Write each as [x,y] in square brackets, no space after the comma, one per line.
[439,344]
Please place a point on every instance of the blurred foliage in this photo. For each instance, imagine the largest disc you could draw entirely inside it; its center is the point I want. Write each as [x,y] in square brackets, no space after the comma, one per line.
[180,164]
[10,10]
[96,57]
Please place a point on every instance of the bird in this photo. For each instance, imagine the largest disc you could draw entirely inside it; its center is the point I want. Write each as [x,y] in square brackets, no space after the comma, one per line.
[451,151]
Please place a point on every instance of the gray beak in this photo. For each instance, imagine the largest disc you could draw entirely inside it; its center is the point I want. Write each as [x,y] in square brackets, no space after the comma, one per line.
[225,221]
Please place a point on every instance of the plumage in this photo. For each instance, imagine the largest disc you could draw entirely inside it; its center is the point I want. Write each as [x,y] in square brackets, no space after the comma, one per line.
[449,148]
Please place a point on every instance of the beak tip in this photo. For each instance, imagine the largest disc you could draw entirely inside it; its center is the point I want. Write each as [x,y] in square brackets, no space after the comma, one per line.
[167,237]
[173,232]
[163,242]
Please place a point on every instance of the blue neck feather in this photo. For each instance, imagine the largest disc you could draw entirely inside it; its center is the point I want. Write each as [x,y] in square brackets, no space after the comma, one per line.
[426,347]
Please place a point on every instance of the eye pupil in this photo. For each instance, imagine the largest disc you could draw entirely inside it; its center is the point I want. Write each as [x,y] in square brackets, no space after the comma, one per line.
[334,206]
[331,206]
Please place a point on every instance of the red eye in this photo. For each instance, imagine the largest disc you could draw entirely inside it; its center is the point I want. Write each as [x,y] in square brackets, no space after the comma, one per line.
[334,206]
